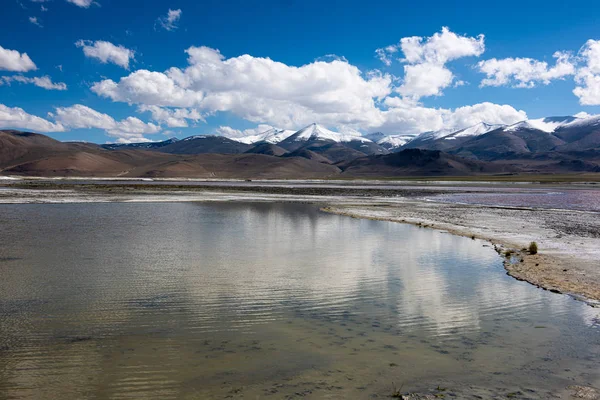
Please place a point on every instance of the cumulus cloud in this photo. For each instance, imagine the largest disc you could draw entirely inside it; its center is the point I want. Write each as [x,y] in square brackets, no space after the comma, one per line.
[173,118]
[169,22]
[12,60]
[423,80]
[333,93]
[588,77]
[106,52]
[148,88]
[413,118]
[82,3]
[426,73]
[17,118]
[43,82]
[525,72]
[130,129]
[441,48]
[258,89]
[487,112]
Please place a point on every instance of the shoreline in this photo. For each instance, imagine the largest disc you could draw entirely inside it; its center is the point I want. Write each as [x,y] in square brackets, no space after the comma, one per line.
[568,261]
[561,272]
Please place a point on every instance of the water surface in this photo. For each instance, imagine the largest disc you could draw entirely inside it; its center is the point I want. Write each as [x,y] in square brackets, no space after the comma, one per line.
[190,300]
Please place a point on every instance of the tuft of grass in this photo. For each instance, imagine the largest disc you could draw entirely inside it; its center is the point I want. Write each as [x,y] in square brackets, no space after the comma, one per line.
[533,248]
[396,393]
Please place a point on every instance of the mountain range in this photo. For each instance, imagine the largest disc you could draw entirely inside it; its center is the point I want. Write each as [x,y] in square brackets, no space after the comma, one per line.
[548,145]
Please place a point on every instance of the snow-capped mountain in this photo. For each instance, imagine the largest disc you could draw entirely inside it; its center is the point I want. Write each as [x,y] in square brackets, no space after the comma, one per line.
[475,130]
[272,136]
[318,132]
[195,137]
[548,125]
[433,135]
[392,142]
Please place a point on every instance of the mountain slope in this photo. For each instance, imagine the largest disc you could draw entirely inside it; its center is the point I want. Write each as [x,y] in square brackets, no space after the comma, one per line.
[416,162]
[205,144]
[315,133]
[267,149]
[18,147]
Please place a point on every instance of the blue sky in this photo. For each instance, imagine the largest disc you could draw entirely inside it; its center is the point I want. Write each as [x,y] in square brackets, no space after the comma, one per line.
[246,93]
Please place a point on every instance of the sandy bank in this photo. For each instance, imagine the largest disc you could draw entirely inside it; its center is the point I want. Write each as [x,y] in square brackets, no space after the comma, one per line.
[569,258]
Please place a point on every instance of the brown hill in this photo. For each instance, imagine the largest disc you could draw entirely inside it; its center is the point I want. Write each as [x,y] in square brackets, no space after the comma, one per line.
[38,155]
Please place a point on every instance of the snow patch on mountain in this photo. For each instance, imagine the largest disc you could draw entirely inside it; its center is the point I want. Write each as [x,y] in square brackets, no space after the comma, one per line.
[195,137]
[272,136]
[395,141]
[433,135]
[475,130]
[318,132]
[547,125]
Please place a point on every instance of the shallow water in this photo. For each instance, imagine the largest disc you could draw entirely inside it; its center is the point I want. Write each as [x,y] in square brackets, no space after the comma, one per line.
[190,300]
[582,200]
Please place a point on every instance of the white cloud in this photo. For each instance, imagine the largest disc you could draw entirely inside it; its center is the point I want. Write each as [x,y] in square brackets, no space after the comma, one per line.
[525,72]
[385,54]
[236,133]
[588,77]
[148,88]
[490,113]
[106,52]
[43,82]
[334,93]
[583,114]
[12,60]
[426,73]
[35,21]
[17,118]
[82,3]
[423,80]
[173,118]
[129,129]
[258,89]
[169,22]
[407,117]
[440,48]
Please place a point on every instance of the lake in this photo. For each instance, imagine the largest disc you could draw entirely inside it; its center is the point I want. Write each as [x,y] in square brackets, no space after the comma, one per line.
[267,300]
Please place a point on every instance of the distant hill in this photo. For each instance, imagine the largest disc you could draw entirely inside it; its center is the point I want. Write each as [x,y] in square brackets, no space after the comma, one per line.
[549,145]
[205,144]
[30,154]
[418,162]
[144,145]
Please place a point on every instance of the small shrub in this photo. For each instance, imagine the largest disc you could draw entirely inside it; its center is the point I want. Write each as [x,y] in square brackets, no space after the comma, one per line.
[533,248]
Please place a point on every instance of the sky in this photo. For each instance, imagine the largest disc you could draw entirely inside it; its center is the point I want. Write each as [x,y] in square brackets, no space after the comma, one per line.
[131,70]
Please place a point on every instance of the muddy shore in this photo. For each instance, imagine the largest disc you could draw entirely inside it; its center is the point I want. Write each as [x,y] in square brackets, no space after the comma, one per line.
[569,240]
